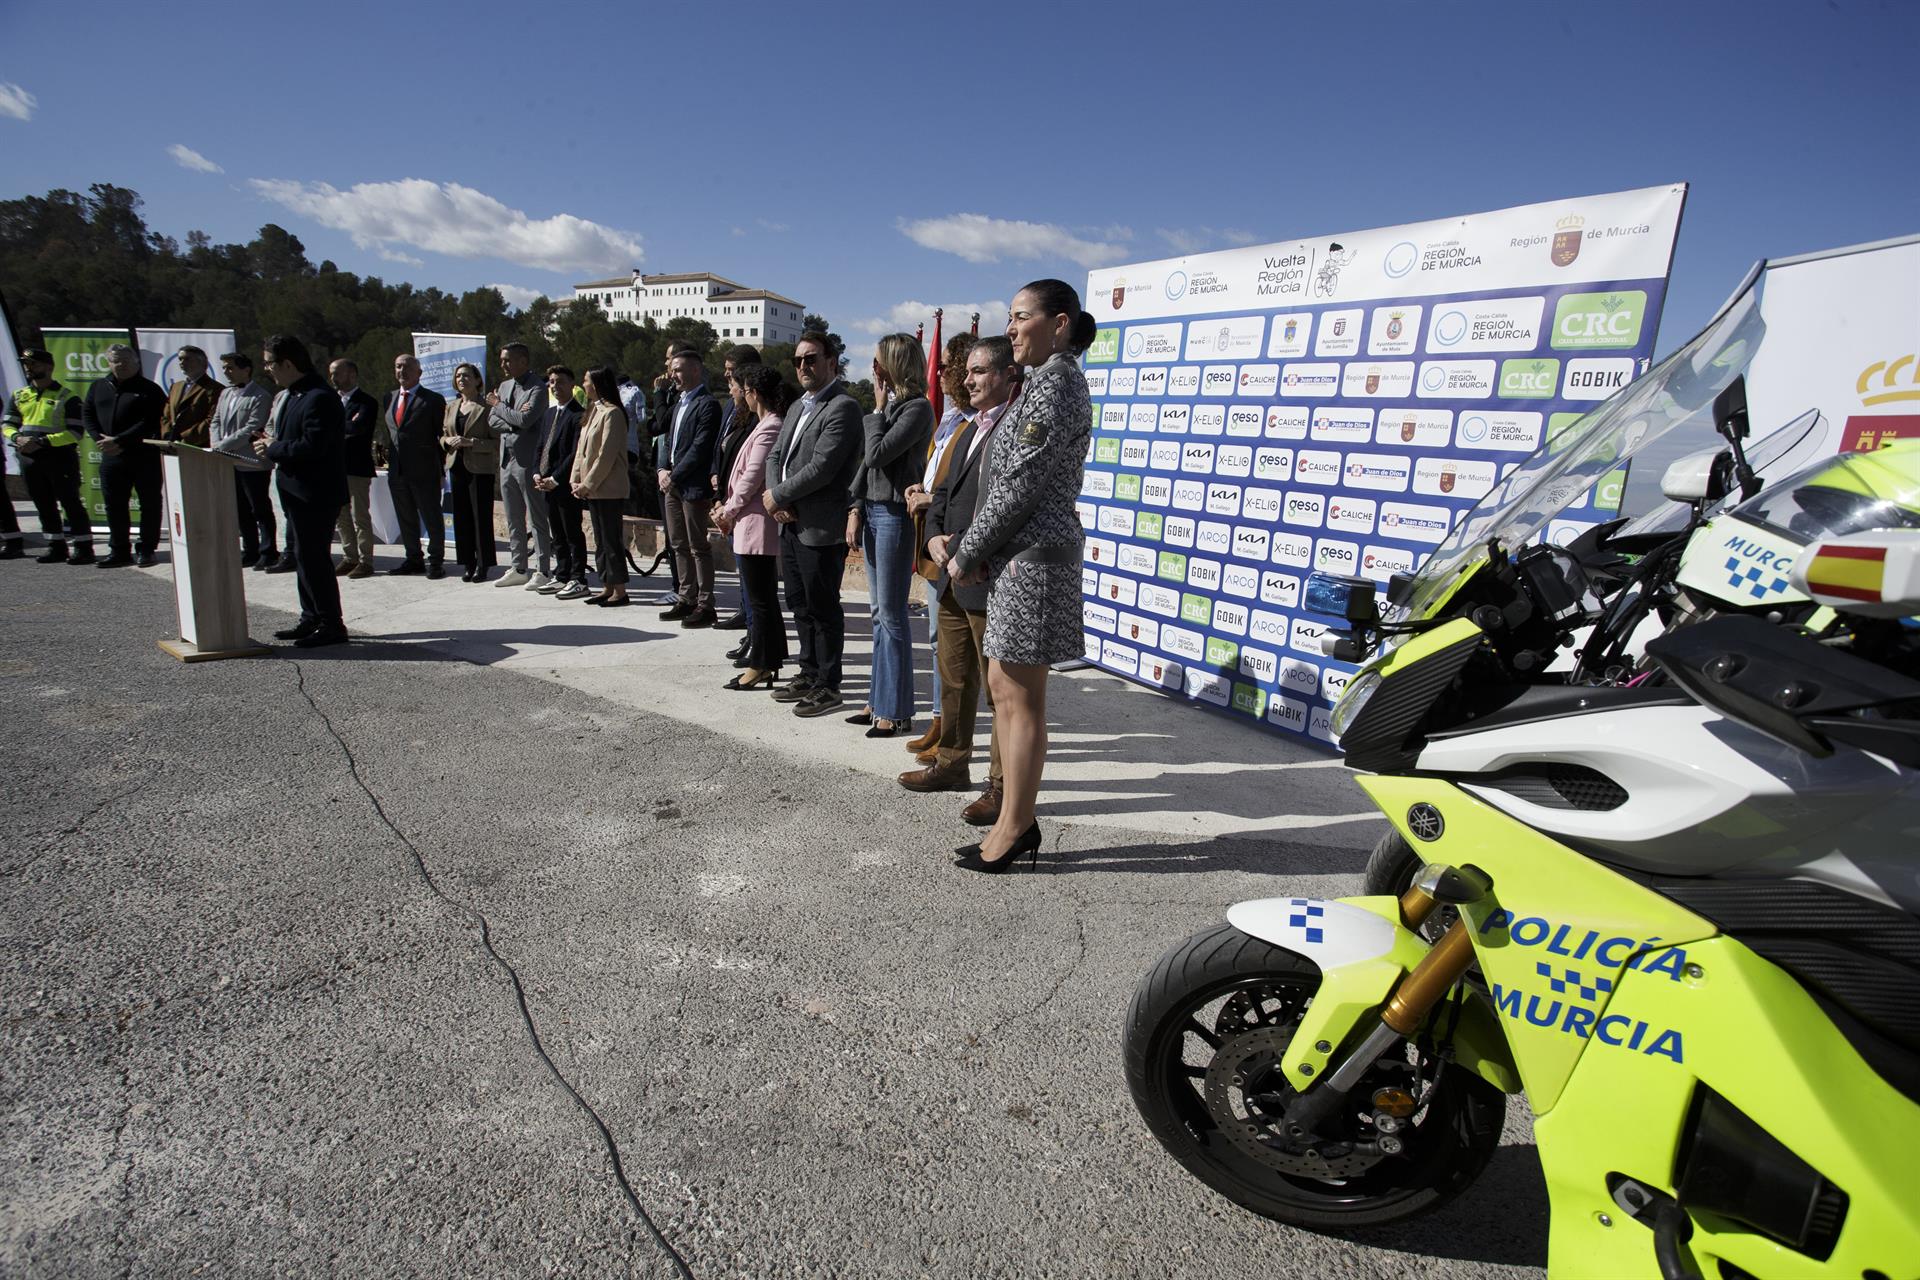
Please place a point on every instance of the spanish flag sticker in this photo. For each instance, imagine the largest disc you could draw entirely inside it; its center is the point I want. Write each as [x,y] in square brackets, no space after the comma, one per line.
[1851,573]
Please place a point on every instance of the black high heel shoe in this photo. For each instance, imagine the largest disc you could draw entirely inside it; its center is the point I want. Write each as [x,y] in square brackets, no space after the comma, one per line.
[763,680]
[1028,843]
[738,651]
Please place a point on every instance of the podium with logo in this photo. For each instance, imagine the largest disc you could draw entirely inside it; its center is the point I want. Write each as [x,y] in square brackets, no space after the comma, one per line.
[205,527]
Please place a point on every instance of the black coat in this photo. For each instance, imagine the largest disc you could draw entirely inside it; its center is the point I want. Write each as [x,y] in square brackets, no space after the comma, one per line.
[954,502]
[363,419]
[559,441]
[128,413]
[738,425]
[690,458]
[414,450]
[310,444]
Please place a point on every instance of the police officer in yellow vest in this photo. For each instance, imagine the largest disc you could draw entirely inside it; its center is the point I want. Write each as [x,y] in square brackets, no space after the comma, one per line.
[42,422]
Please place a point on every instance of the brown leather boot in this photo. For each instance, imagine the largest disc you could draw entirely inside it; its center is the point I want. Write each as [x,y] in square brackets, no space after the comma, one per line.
[925,742]
[928,756]
[985,811]
[939,777]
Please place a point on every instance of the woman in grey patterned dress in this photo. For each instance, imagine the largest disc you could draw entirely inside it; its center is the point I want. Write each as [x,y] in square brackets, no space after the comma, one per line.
[1025,541]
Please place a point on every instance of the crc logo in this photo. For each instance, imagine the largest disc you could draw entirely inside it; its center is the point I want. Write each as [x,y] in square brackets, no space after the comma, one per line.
[1585,320]
[1176,286]
[1529,379]
[1106,346]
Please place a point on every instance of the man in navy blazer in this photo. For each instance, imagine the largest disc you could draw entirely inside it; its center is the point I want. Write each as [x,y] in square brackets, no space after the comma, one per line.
[551,475]
[309,452]
[686,489]
[412,418]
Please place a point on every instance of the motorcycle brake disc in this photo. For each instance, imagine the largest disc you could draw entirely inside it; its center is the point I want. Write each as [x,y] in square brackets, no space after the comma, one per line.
[1246,1071]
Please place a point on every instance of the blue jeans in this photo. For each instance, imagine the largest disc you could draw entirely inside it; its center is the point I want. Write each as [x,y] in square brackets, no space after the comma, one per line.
[886,540]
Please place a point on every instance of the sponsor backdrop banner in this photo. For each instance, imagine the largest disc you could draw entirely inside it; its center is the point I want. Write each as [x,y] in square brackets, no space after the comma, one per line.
[441,353]
[1843,337]
[79,361]
[1336,404]
[160,351]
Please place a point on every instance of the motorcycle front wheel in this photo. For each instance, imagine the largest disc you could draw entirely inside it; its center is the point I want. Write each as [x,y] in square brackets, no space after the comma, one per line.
[1205,1035]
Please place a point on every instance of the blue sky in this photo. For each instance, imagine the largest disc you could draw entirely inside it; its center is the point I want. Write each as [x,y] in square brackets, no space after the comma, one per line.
[834,153]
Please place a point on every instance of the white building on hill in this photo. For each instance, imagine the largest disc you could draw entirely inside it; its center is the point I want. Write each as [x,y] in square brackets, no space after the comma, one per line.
[736,312]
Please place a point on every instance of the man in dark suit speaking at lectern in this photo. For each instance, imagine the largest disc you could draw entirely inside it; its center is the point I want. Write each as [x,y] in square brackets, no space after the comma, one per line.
[309,450]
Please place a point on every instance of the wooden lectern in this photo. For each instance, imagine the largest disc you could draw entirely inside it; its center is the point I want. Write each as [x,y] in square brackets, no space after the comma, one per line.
[205,528]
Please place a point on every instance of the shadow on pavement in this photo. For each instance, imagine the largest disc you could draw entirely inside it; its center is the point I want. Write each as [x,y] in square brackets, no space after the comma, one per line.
[1500,1220]
[1256,856]
[480,648]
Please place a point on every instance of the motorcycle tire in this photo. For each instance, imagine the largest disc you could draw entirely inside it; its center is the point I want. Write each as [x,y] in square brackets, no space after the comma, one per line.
[1391,867]
[1449,1140]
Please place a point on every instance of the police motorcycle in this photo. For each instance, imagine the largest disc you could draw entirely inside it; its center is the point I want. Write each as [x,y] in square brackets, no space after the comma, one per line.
[1653,866]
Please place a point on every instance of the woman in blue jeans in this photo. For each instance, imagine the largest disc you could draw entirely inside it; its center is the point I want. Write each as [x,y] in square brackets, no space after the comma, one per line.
[897,432]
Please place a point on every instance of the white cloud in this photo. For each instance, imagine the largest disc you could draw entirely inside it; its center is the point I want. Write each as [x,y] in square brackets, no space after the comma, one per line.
[1195,239]
[739,231]
[904,317]
[767,225]
[457,221]
[958,315]
[187,158]
[518,296]
[16,102]
[978,238]
[405,259]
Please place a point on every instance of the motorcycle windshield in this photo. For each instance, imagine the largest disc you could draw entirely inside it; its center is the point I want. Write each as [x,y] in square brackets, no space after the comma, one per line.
[1662,416]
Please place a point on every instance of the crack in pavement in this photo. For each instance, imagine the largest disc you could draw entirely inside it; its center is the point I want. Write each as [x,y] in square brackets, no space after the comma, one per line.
[479,918]
[54,841]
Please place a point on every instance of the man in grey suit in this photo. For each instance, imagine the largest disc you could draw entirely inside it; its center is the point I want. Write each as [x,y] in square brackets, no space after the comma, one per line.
[517,411]
[808,477]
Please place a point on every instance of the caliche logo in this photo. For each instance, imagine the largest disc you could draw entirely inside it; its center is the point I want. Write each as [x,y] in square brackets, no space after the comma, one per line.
[1176,285]
[1583,321]
[1566,240]
[1106,345]
[1400,260]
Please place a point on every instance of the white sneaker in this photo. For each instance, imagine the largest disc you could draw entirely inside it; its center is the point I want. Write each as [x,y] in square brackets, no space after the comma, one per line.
[514,578]
[539,582]
[549,587]
[572,591]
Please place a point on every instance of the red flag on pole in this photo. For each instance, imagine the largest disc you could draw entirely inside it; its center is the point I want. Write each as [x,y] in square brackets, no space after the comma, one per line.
[935,394]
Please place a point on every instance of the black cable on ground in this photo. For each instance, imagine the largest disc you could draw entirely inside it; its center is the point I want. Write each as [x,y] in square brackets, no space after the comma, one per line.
[513,975]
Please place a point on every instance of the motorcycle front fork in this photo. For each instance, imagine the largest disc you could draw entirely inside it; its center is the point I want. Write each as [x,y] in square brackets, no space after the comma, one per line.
[1412,1000]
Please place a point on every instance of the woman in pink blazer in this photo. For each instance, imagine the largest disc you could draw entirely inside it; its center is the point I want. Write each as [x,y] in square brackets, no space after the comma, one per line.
[756,538]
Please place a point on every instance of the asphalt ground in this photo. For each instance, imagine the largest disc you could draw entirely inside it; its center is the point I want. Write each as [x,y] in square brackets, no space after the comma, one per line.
[375,960]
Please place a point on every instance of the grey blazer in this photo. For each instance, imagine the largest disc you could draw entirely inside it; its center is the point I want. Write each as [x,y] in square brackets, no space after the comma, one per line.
[518,417]
[895,450]
[812,465]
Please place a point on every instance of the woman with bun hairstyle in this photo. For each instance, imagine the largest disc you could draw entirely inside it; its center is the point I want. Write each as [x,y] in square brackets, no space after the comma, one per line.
[1025,543]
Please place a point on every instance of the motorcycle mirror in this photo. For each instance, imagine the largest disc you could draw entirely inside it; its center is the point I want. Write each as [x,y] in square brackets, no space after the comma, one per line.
[1874,574]
[1698,477]
[1730,409]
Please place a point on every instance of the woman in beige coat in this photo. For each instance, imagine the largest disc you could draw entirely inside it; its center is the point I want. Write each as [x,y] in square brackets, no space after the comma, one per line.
[599,479]
[473,459]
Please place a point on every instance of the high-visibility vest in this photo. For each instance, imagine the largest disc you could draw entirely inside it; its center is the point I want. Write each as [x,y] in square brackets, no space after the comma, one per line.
[43,412]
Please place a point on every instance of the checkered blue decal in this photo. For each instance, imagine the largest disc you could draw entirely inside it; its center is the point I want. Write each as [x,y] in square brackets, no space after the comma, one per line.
[1568,981]
[1756,582]
[1303,916]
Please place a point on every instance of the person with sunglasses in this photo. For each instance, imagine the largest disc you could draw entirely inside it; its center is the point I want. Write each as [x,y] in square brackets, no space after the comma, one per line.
[809,480]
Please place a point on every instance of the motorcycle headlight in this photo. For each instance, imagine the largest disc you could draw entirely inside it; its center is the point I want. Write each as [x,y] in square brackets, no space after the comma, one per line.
[1351,702]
